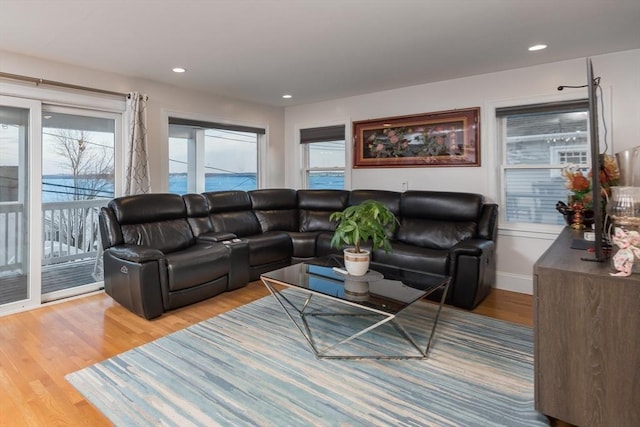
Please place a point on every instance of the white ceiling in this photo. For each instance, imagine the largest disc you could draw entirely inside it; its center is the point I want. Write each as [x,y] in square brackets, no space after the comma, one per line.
[258,50]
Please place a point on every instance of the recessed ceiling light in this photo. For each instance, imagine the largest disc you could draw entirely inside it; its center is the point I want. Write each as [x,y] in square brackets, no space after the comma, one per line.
[287,96]
[179,70]
[537,47]
[47,117]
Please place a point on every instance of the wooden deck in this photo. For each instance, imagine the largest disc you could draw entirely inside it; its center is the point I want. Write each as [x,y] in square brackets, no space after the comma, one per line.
[54,278]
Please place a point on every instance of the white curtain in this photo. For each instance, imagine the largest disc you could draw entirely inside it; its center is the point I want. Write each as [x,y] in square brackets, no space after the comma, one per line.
[137,176]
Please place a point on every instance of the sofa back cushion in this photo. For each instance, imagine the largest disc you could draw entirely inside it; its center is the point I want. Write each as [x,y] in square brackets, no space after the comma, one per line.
[315,207]
[438,220]
[197,213]
[230,211]
[275,208]
[391,199]
[155,220]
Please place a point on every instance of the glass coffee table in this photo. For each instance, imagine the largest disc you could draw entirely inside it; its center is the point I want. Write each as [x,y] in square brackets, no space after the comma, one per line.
[382,294]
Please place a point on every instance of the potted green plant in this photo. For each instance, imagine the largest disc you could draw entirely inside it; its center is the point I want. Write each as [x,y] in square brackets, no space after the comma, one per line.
[368,221]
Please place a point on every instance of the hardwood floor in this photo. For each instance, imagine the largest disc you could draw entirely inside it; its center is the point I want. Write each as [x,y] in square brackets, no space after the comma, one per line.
[39,347]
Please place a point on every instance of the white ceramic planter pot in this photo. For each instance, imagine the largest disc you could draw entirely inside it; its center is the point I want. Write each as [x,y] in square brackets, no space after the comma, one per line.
[357,264]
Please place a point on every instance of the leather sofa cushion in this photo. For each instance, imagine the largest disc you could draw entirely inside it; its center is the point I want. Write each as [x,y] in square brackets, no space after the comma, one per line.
[278,220]
[110,232]
[197,213]
[323,200]
[315,207]
[144,208]
[276,209]
[240,223]
[227,201]
[390,199]
[304,244]
[316,221]
[323,245]
[154,220]
[197,265]
[438,219]
[269,247]
[230,211]
[441,205]
[273,198]
[415,258]
[166,236]
[427,233]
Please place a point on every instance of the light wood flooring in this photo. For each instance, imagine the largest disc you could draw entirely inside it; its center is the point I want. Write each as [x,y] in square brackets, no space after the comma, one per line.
[39,347]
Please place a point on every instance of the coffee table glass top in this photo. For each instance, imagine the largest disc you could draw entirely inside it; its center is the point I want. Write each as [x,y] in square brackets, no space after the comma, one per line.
[385,288]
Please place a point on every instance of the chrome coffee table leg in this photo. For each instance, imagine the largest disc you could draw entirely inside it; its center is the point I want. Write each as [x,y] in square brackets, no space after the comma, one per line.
[323,354]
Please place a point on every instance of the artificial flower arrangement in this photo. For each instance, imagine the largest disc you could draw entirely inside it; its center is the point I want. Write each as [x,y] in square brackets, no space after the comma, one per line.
[578,213]
[580,185]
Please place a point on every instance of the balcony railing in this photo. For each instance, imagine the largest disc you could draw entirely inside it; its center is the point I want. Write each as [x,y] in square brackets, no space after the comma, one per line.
[11,236]
[69,232]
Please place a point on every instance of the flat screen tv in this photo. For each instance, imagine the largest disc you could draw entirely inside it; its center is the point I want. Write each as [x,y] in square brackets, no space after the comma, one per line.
[598,209]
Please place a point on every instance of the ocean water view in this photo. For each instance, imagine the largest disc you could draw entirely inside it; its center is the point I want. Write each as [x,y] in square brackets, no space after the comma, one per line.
[59,188]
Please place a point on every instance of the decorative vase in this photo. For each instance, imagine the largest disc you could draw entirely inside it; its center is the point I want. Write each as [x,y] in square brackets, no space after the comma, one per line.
[576,204]
[623,210]
[587,215]
[356,264]
[577,222]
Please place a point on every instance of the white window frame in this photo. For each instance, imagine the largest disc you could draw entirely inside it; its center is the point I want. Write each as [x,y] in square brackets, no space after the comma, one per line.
[303,158]
[555,170]
[491,131]
[262,144]
[307,170]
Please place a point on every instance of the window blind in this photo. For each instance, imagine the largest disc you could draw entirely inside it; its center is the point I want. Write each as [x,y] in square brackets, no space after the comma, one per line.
[548,107]
[214,125]
[322,134]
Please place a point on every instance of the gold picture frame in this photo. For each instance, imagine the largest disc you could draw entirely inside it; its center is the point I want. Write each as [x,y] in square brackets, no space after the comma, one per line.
[445,138]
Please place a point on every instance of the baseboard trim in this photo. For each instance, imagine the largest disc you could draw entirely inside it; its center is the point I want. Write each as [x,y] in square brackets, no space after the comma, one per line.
[514,282]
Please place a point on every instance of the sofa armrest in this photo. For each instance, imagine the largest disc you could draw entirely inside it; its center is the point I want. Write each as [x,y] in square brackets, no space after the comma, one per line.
[473,247]
[133,277]
[488,223]
[135,253]
[472,269]
[216,236]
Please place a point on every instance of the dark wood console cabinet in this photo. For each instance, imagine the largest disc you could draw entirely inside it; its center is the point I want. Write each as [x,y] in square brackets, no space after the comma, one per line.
[587,339]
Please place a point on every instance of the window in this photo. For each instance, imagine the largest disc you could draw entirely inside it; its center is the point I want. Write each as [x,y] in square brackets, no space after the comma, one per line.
[212,157]
[323,157]
[537,142]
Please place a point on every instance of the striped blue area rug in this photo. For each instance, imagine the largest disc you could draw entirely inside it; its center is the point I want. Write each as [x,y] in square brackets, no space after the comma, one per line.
[251,367]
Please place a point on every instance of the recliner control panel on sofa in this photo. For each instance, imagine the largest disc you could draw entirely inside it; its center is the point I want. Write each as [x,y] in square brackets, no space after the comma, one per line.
[164,251]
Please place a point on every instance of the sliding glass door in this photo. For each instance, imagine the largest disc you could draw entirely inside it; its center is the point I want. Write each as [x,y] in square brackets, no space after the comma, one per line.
[78,164]
[57,169]
[19,164]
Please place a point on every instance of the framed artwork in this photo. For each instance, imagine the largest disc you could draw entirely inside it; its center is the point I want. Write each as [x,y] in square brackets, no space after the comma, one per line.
[445,138]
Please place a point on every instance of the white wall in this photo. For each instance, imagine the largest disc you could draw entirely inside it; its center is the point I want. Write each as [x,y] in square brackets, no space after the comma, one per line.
[517,250]
[164,99]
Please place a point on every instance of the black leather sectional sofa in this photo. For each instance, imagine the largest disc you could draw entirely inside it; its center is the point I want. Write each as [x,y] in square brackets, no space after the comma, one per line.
[164,251]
